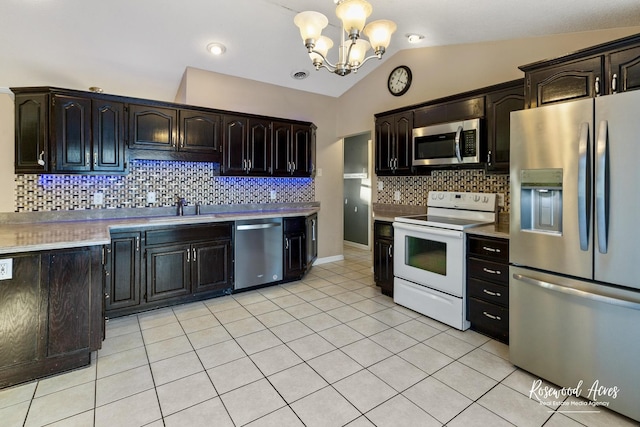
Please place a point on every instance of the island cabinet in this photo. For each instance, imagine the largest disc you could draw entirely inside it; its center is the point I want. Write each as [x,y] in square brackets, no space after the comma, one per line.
[488,286]
[383,256]
[393,137]
[246,146]
[604,69]
[68,132]
[295,249]
[52,312]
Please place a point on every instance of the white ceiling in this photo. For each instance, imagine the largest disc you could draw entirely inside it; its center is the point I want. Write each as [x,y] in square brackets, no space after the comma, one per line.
[144,46]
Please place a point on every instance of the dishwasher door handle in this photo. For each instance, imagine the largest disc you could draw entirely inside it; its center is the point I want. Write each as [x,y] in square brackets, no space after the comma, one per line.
[257,226]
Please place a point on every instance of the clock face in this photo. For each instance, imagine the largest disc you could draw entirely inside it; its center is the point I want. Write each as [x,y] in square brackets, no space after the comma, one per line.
[399,80]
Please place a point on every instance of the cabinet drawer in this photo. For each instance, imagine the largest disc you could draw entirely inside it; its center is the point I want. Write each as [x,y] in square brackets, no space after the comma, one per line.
[489,248]
[487,291]
[489,319]
[184,234]
[295,224]
[488,270]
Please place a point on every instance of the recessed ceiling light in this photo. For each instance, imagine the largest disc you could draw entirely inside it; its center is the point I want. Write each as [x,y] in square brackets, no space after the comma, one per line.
[216,48]
[414,38]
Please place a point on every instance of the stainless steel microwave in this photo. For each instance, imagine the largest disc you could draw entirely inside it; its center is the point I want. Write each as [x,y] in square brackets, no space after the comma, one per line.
[447,143]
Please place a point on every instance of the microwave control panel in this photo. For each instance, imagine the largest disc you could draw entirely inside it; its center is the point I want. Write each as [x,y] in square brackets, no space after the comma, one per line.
[469,147]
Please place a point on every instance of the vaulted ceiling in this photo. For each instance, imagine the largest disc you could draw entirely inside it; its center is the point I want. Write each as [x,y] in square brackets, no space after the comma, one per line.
[145,45]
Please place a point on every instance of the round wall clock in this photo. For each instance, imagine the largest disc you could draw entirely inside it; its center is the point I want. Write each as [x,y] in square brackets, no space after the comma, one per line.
[399,80]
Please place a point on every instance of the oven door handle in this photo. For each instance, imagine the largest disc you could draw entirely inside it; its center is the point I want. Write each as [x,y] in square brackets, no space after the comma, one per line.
[428,230]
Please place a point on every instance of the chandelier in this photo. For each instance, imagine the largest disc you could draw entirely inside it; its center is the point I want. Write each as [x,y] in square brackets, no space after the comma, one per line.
[352,50]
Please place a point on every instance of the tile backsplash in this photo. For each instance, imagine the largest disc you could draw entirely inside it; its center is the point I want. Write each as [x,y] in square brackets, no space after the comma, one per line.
[413,189]
[196,182]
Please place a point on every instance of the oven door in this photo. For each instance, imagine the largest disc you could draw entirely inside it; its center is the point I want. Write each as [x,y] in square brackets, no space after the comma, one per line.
[431,257]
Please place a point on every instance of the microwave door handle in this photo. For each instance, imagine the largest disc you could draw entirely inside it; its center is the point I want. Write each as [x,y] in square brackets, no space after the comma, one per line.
[602,163]
[584,193]
[458,135]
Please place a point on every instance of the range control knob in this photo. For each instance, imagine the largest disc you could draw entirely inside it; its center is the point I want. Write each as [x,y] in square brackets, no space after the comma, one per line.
[476,198]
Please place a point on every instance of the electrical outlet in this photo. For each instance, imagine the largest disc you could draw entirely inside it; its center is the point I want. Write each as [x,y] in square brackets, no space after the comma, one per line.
[151,197]
[396,196]
[6,269]
[380,185]
[273,194]
[98,198]
[319,172]
[501,200]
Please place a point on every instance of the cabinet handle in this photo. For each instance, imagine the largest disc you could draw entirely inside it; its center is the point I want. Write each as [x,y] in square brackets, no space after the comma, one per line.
[41,159]
[493,294]
[188,255]
[95,158]
[489,249]
[106,296]
[87,158]
[486,270]
[244,165]
[194,255]
[614,83]
[293,166]
[489,157]
[491,316]
[390,251]
[250,165]
[137,243]
[313,230]
[597,86]
[286,244]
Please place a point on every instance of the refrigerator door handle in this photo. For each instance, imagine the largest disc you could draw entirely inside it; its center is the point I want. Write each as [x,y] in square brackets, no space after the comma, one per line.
[602,202]
[578,293]
[584,195]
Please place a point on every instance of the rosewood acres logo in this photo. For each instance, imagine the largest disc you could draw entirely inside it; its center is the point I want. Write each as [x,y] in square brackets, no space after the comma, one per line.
[598,395]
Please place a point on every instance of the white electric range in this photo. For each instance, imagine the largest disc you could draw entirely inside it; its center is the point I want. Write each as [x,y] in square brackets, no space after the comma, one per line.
[429,254]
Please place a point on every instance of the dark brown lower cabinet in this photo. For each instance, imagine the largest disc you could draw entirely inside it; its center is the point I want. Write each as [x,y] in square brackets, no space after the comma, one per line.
[51,314]
[383,256]
[295,249]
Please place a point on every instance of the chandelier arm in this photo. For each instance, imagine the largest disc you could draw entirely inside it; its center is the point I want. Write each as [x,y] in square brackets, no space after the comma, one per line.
[324,58]
[368,58]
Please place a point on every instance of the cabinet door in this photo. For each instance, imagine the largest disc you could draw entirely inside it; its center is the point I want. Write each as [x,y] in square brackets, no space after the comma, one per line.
[295,261]
[301,151]
[74,300]
[403,140]
[71,128]
[625,70]
[234,146]
[108,136]
[383,256]
[259,147]
[168,272]
[152,128]
[280,148]
[566,82]
[312,239]
[384,146]
[123,274]
[20,317]
[200,132]
[499,108]
[211,266]
[32,138]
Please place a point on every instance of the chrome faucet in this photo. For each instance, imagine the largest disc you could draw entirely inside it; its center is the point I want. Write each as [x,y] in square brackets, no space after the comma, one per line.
[181,203]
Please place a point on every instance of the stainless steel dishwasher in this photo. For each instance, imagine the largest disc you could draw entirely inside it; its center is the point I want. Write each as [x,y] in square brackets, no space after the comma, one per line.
[258,252]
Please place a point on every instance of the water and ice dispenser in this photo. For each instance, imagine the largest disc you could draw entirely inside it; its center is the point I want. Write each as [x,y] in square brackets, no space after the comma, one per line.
[541,200]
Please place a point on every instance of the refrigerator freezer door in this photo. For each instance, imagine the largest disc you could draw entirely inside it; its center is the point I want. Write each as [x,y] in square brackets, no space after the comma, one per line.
[544,141]
[567,331]
[617,197]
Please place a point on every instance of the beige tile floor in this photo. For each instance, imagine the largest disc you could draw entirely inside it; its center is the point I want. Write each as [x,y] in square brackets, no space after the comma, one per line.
[329,350]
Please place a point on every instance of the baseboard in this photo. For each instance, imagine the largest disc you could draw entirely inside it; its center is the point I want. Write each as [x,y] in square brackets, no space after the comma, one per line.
[328,259]
[355,245]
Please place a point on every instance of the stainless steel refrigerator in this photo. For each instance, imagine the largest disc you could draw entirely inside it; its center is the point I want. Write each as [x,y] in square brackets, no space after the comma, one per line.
[574,302]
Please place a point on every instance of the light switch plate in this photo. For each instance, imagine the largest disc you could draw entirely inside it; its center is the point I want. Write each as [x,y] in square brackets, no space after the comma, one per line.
[151,197]
[396,196]
[380,185]
[501,199]
[6,269]
[98,198]
[273,194]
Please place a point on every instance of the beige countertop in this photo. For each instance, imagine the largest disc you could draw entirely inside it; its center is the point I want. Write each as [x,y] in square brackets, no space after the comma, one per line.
[48,235]
[489,231]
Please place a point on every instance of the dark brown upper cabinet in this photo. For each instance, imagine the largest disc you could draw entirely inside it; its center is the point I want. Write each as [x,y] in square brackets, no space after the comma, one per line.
[293,149]
[393,135]
[499,105]
[68,133]
[153,128]
[200,132]
[246,146]
[604,69]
